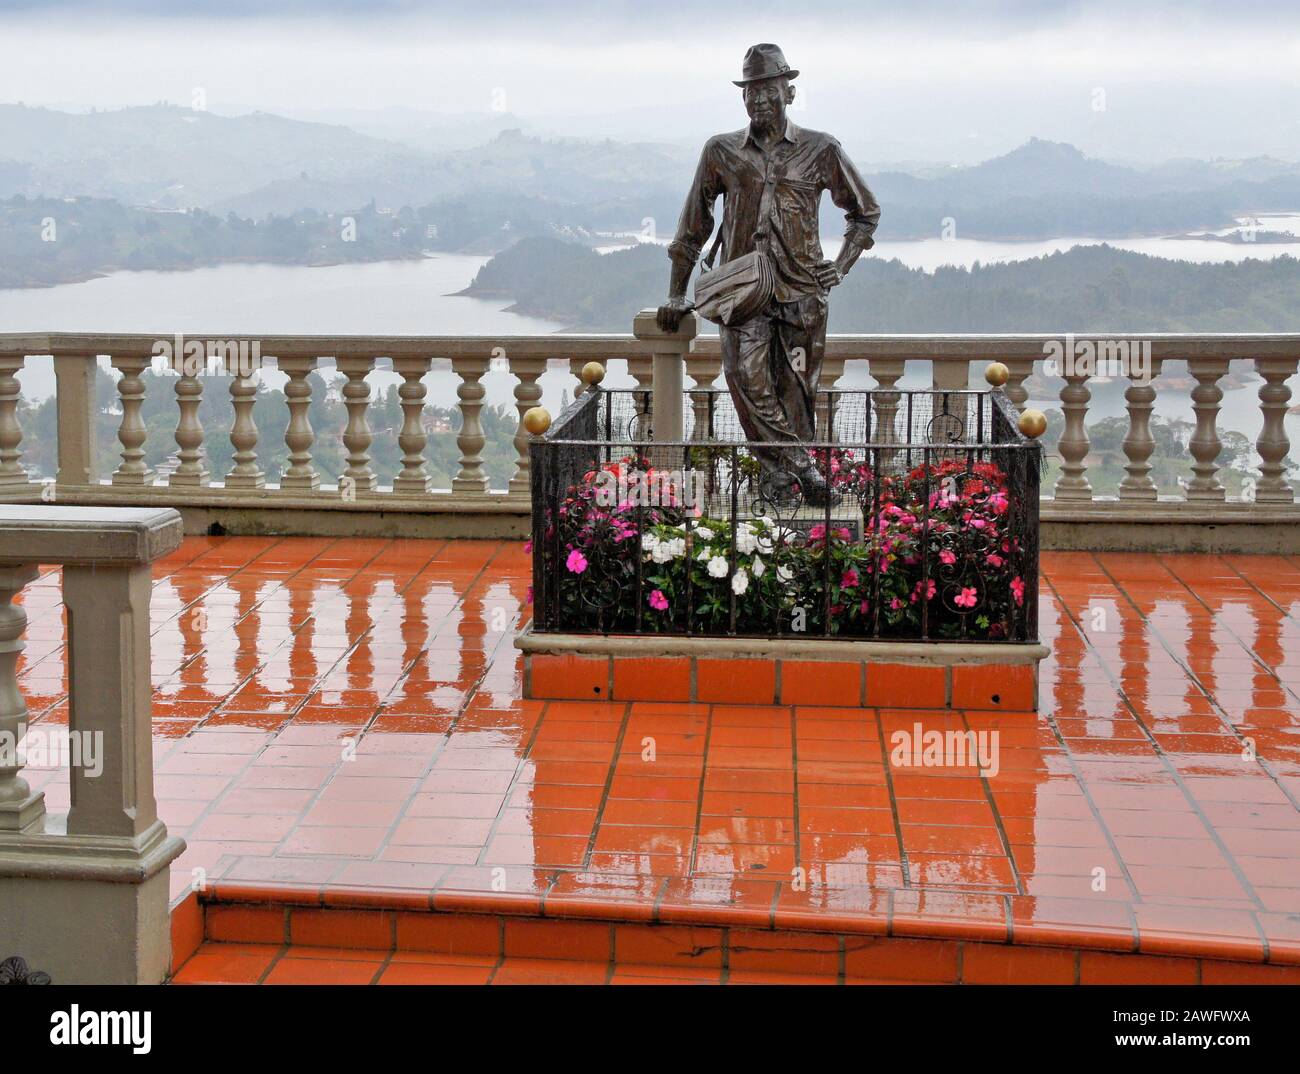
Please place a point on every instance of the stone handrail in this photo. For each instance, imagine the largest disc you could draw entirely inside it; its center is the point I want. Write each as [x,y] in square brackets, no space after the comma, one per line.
[652,358]
[85,894]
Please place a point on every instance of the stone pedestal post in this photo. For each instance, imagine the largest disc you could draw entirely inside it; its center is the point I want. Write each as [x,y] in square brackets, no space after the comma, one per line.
[84,897]
[667,361]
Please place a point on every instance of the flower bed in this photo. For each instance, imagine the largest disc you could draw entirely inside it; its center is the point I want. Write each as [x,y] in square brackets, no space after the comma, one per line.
[930,540]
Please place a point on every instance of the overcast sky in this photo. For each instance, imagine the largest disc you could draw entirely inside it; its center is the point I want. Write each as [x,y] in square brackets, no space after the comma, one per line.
[922,80]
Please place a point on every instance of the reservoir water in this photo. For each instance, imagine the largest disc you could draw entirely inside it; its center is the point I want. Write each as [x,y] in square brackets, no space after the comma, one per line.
[418,298]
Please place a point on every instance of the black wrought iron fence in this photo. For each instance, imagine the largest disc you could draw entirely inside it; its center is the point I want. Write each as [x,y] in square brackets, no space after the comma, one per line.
[914,515]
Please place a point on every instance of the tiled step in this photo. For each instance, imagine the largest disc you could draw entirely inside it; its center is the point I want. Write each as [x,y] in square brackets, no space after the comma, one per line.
[261,936]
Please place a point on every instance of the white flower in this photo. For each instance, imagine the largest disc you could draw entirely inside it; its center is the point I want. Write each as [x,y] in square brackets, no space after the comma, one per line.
[718,567]
[677,547]
[662,552]
[764,545]
[767,521]
[739,582]
[745,540]
[785,574]
[649,542]
[758,568]
[704,555]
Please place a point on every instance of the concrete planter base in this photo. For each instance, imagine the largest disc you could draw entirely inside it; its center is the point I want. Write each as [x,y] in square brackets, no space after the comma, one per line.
[765,671]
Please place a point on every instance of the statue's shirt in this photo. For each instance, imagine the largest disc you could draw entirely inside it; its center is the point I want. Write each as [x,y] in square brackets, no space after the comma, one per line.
[772,197]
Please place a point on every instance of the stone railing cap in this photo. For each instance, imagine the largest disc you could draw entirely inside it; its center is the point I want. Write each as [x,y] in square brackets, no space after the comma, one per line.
[87,535]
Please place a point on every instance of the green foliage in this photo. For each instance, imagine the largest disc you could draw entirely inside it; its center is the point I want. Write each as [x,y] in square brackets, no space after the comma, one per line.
[44,241]
[327,415]
[1085,289]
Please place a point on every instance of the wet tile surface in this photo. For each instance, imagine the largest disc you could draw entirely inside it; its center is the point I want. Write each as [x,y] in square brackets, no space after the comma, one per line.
[347,715]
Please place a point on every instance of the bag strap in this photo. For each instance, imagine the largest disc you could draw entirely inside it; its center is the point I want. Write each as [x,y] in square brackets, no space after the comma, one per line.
[713,250]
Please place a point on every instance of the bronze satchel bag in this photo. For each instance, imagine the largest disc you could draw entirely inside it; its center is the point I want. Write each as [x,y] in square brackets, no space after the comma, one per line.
[735,291]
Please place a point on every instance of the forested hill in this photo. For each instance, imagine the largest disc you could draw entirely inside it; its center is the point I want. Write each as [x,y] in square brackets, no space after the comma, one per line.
[1086,289]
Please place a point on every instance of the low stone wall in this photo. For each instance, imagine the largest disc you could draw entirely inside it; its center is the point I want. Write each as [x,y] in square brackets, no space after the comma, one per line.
[760,671]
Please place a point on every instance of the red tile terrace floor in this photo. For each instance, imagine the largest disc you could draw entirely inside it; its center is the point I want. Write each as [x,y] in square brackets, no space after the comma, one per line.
[339,722]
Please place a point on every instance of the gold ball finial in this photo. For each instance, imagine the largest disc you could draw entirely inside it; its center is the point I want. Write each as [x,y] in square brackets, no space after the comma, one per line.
[1033,423]
[537,420]
[996,374]
[593,373]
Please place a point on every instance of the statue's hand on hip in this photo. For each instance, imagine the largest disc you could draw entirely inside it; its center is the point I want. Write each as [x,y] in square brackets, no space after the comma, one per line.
[671,313]
[827,275]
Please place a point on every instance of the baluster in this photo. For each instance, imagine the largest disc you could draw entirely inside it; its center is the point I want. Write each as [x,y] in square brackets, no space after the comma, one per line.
[884,422]
[357,436]
[703,369]
[19,807]
[245,473]
[1205,444]
[298,435]
[11,433]
[189,430]
[1018,370]
[1073,484]
[132,432]
[414,479]
[641,368]
[831,371]
[1273,445]
[470,439]
[1139,444]
[528,394]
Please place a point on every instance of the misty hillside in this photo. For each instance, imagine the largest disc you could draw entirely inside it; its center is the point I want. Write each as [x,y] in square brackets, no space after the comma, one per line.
[164,156]
[1085,289]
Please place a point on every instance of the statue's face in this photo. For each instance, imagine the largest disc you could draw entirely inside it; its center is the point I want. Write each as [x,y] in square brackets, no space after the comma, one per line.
[766,101]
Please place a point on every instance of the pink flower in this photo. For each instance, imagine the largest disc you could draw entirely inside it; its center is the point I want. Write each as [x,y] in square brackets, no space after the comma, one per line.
[529,598]
[818,533]
[966,598]
[577,562]
[995,560]
[864,606]
[998,501]
[895,604]
[1018,590]
[947,556]
[528,546]
[849,579]
[658,601]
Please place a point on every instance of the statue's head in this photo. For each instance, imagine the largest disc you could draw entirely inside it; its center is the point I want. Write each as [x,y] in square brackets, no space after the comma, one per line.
[765,84]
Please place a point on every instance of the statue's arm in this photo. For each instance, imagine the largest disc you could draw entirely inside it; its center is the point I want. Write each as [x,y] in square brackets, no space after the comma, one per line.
[850,192]
[693,229]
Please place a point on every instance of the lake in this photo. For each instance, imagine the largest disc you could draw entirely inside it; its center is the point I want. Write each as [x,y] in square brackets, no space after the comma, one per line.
[418,298]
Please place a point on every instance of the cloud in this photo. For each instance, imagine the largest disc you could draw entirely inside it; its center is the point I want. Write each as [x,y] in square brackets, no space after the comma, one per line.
[936,78]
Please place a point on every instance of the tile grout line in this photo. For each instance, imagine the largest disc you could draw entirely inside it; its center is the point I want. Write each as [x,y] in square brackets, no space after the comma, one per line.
[609,781]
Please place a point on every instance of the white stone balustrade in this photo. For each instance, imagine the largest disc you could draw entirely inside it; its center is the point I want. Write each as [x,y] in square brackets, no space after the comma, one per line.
[84,896]
[658,362]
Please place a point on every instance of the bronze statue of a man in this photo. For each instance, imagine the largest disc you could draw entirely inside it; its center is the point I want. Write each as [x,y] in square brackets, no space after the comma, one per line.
[772,175]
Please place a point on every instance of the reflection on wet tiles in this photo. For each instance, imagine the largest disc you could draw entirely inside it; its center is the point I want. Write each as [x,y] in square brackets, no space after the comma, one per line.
[350,712]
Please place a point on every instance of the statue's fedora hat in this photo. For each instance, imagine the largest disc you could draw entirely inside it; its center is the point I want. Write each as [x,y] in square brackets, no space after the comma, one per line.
[765,61]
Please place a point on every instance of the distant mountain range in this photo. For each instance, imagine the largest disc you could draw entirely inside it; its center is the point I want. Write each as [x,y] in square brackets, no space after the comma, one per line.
[483,198]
